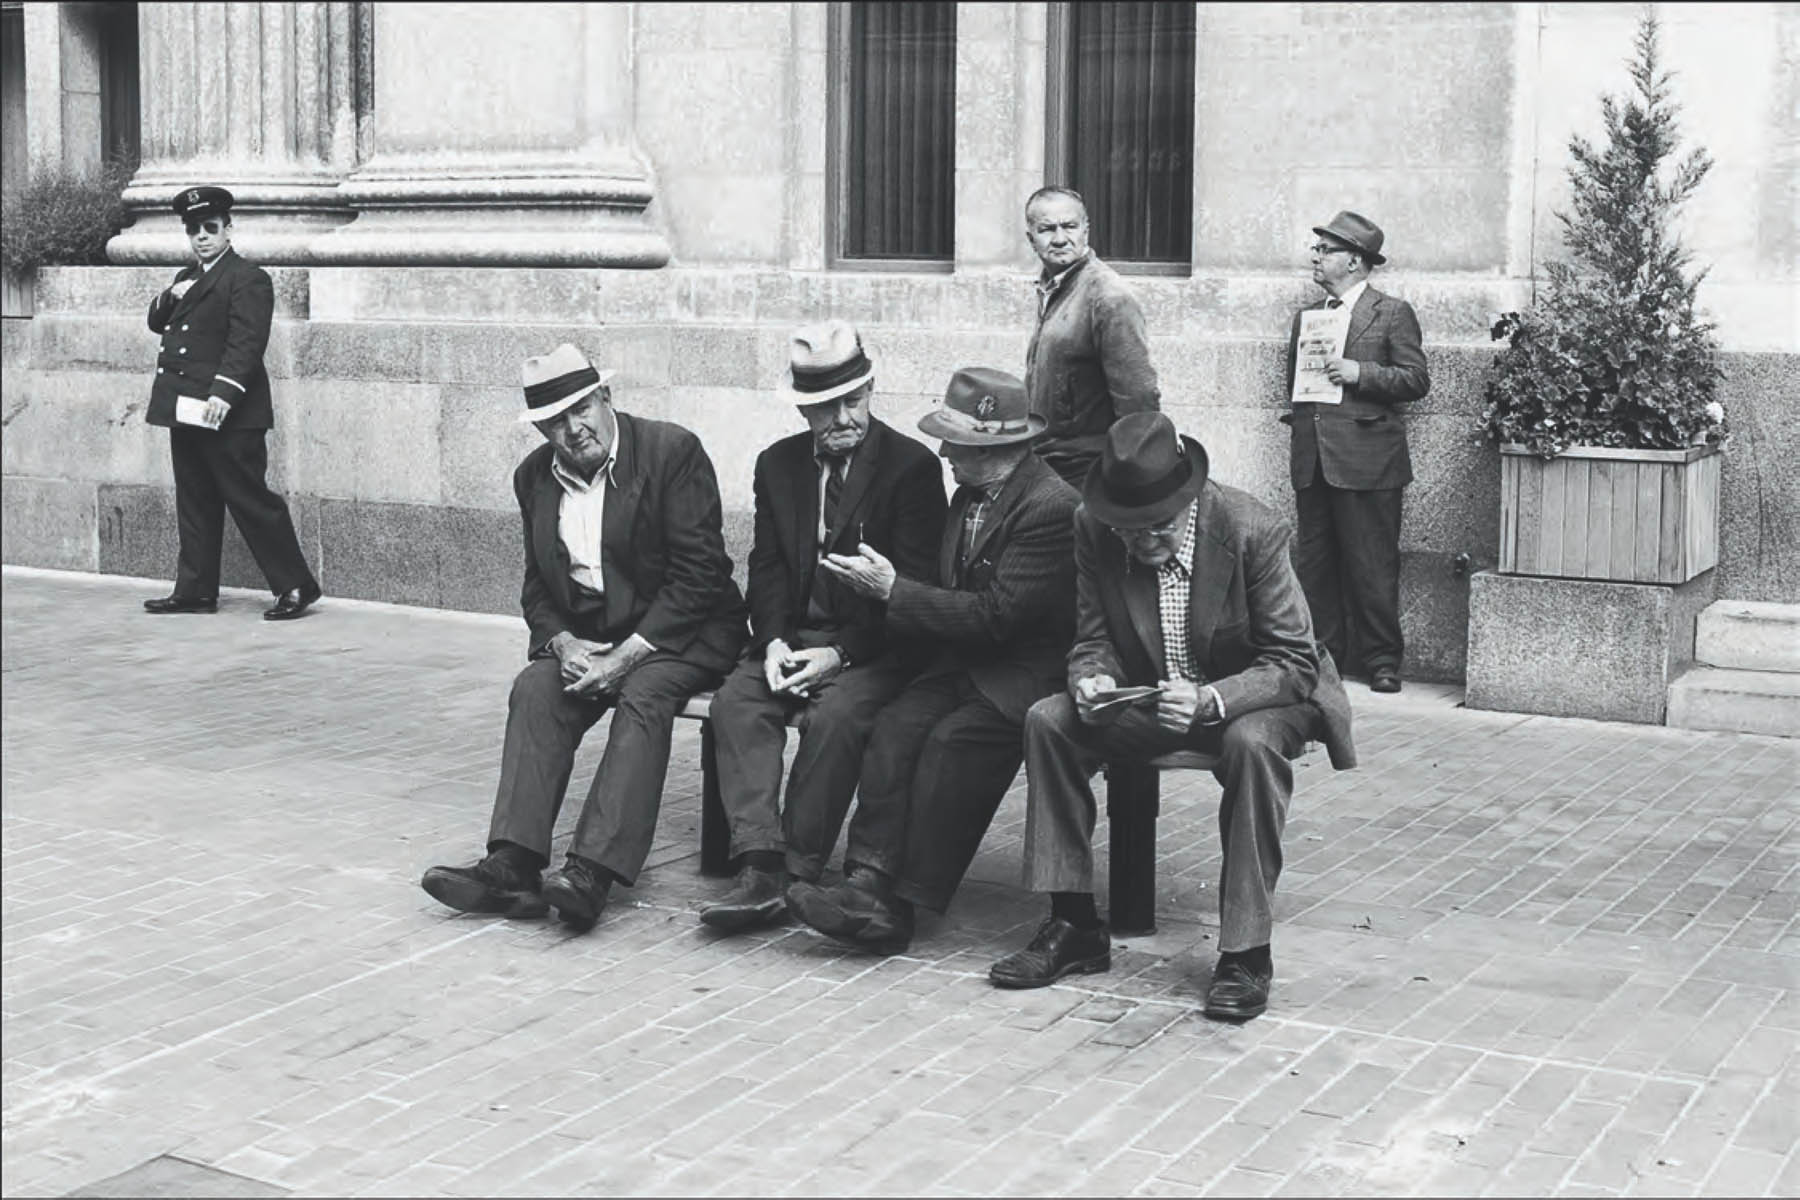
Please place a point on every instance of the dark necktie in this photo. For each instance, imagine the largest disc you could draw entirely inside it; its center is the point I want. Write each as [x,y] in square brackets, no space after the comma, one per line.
[834,491]
[819,599]
[1334,302]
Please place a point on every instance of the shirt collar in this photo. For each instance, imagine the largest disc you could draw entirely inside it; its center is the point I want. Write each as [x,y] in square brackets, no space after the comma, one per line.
[574,484]
[1184,557]
[1048,283]
[1355,293]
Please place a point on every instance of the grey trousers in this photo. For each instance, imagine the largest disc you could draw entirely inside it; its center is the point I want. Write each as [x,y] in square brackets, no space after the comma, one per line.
[1062,754]
[544,728]
[750,730]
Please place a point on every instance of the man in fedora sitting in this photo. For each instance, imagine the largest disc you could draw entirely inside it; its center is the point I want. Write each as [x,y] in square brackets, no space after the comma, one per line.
[816,647]
[631,607]
[996,616]
[1182,584]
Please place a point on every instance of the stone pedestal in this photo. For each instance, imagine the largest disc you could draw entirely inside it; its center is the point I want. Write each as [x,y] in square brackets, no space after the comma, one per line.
[259,98]
[1580,648]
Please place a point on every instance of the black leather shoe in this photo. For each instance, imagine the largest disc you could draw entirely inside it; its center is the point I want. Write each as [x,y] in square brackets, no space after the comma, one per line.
[1058,948]
[494,886]
[1384,679]
[1236,993]
[577,893]
[862,912]
[182,604]
[755,900]
[292,603]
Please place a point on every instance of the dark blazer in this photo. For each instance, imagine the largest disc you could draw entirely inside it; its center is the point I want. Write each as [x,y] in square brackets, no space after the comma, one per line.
[1248,625]
[893,499]
[213,342]
[668,578]
[1088,363]
[1361,443]
[1008,621]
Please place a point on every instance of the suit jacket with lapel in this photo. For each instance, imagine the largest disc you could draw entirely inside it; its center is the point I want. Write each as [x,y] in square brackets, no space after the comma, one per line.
[1249,629]
[213,340]
[1361,443]
[1007,621]
[662,557]
[893,499]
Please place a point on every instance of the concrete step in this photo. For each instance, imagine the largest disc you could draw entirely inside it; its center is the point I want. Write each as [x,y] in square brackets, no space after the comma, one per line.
[1749,635]
[1739,701]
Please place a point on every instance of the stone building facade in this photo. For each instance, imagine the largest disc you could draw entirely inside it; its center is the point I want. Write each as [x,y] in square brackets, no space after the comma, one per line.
[443,189]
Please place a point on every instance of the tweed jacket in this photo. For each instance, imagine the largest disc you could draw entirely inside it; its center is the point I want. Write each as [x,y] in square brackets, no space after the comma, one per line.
[1007,620]
[893,499]
[1361,443]
[1249,630]
[668,578]
[1089,362]
[212,342]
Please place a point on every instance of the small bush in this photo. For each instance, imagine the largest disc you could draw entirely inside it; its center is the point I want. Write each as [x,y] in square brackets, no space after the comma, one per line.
[63,218]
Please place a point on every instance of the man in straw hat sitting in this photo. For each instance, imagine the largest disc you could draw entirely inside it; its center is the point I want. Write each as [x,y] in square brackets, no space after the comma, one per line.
[1184,585]
[997,614]
[816,647]
[631,607]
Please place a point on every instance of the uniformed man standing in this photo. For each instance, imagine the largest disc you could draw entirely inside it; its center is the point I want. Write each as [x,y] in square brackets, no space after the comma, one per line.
[213,394]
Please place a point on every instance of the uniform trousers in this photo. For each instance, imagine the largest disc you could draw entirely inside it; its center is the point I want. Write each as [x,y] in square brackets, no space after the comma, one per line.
[216,470]
[1062,753]
[749,724]
[1347,555]
[544,728]
[936,769]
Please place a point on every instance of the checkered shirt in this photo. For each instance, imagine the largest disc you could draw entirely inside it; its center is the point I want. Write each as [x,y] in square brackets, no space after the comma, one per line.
[1174,591]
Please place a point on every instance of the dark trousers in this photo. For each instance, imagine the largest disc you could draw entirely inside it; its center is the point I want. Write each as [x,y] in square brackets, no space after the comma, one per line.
[1348,560]
[1062,754]
[544,727]
[935,771]
[225,469]
[749,725]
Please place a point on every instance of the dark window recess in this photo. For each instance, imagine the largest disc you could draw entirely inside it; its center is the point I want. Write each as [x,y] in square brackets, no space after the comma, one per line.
[898,109]
[120,129]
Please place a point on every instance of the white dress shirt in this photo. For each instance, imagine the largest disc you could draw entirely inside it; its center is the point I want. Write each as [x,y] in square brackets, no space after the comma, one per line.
[581,516]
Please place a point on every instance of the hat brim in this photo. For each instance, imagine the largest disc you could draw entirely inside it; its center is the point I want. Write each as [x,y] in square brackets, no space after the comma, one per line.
[932,424]
[1142,516]
[532,416]
[1373,256]
[792,396]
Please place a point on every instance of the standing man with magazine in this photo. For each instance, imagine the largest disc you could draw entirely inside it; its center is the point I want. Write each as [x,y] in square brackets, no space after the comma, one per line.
[212,393]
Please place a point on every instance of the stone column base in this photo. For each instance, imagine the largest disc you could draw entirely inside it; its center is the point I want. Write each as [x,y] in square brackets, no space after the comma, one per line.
[1579,647]
[274,221]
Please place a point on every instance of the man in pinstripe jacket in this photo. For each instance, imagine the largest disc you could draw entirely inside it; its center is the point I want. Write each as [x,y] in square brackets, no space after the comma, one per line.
[1001,612]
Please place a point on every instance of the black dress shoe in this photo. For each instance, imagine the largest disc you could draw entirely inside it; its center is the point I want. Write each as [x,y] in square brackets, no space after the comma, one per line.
[494,886]
[1236,993]
[1384,679]
[577,893]
[292,603]
[182,604]
[862,912]
[755,900]
[1058,948]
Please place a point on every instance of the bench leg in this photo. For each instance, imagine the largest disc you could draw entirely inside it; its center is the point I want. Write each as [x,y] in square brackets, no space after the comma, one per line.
[715,833]
[1131,805]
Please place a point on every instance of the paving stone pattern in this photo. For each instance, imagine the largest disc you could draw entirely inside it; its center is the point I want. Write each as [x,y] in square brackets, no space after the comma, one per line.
[1515,956]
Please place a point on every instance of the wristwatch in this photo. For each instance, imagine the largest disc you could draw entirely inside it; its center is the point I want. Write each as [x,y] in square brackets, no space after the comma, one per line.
[843,655]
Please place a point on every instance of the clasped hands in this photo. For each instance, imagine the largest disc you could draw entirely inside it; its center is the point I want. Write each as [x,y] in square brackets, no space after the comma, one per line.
[593,669]
[1181,704]
[799,673]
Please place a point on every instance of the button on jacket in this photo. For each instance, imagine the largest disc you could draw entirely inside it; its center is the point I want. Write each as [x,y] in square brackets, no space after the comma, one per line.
[213,340]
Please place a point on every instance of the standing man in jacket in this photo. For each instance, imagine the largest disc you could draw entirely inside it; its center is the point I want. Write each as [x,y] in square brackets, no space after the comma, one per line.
[213,395]
[1349,460]
[849,482]
[1089,359]
[631,607]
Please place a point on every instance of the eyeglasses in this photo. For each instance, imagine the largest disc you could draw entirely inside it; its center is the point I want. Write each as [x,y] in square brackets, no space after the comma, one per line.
[1167,529]
[194,227]
[1321,249]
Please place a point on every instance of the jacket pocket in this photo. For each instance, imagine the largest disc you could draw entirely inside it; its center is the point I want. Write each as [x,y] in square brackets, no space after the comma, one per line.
[1377,419]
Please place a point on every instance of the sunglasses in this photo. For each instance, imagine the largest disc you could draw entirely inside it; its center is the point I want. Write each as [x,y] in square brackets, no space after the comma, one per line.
[211,226]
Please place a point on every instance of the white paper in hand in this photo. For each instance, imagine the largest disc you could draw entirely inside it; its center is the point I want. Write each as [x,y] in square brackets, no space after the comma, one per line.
[191,410]
[1321,334]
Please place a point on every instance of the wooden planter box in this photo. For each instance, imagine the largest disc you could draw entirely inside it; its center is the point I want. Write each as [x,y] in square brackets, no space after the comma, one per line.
[1633,516]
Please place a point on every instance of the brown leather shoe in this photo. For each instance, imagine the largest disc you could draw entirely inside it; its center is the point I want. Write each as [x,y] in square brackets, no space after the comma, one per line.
[862,912]
[1237,993]
[1058,948]
[577,893]
[1384,679]
[755,900]
[495,886]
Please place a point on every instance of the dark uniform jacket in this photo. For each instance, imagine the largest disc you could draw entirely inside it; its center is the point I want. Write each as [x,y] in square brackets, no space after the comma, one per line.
[1249,629]
[1361,443]
[1007,617]
[213,341]
[893,499]
[662,556]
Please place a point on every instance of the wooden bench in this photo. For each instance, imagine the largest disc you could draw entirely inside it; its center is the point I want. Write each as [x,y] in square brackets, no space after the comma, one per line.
[1133,799]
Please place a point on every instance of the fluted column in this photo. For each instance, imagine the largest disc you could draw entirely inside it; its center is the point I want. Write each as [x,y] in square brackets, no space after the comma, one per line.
[257,97]
[501,134]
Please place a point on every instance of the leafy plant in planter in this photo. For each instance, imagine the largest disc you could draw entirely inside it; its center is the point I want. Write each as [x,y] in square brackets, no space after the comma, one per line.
[1615,354]
[63,217]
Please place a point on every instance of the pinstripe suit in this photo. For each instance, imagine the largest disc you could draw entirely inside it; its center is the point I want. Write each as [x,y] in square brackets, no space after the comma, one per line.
[1002,613]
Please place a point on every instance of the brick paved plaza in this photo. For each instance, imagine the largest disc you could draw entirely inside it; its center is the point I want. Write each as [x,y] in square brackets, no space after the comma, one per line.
[1515,956]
